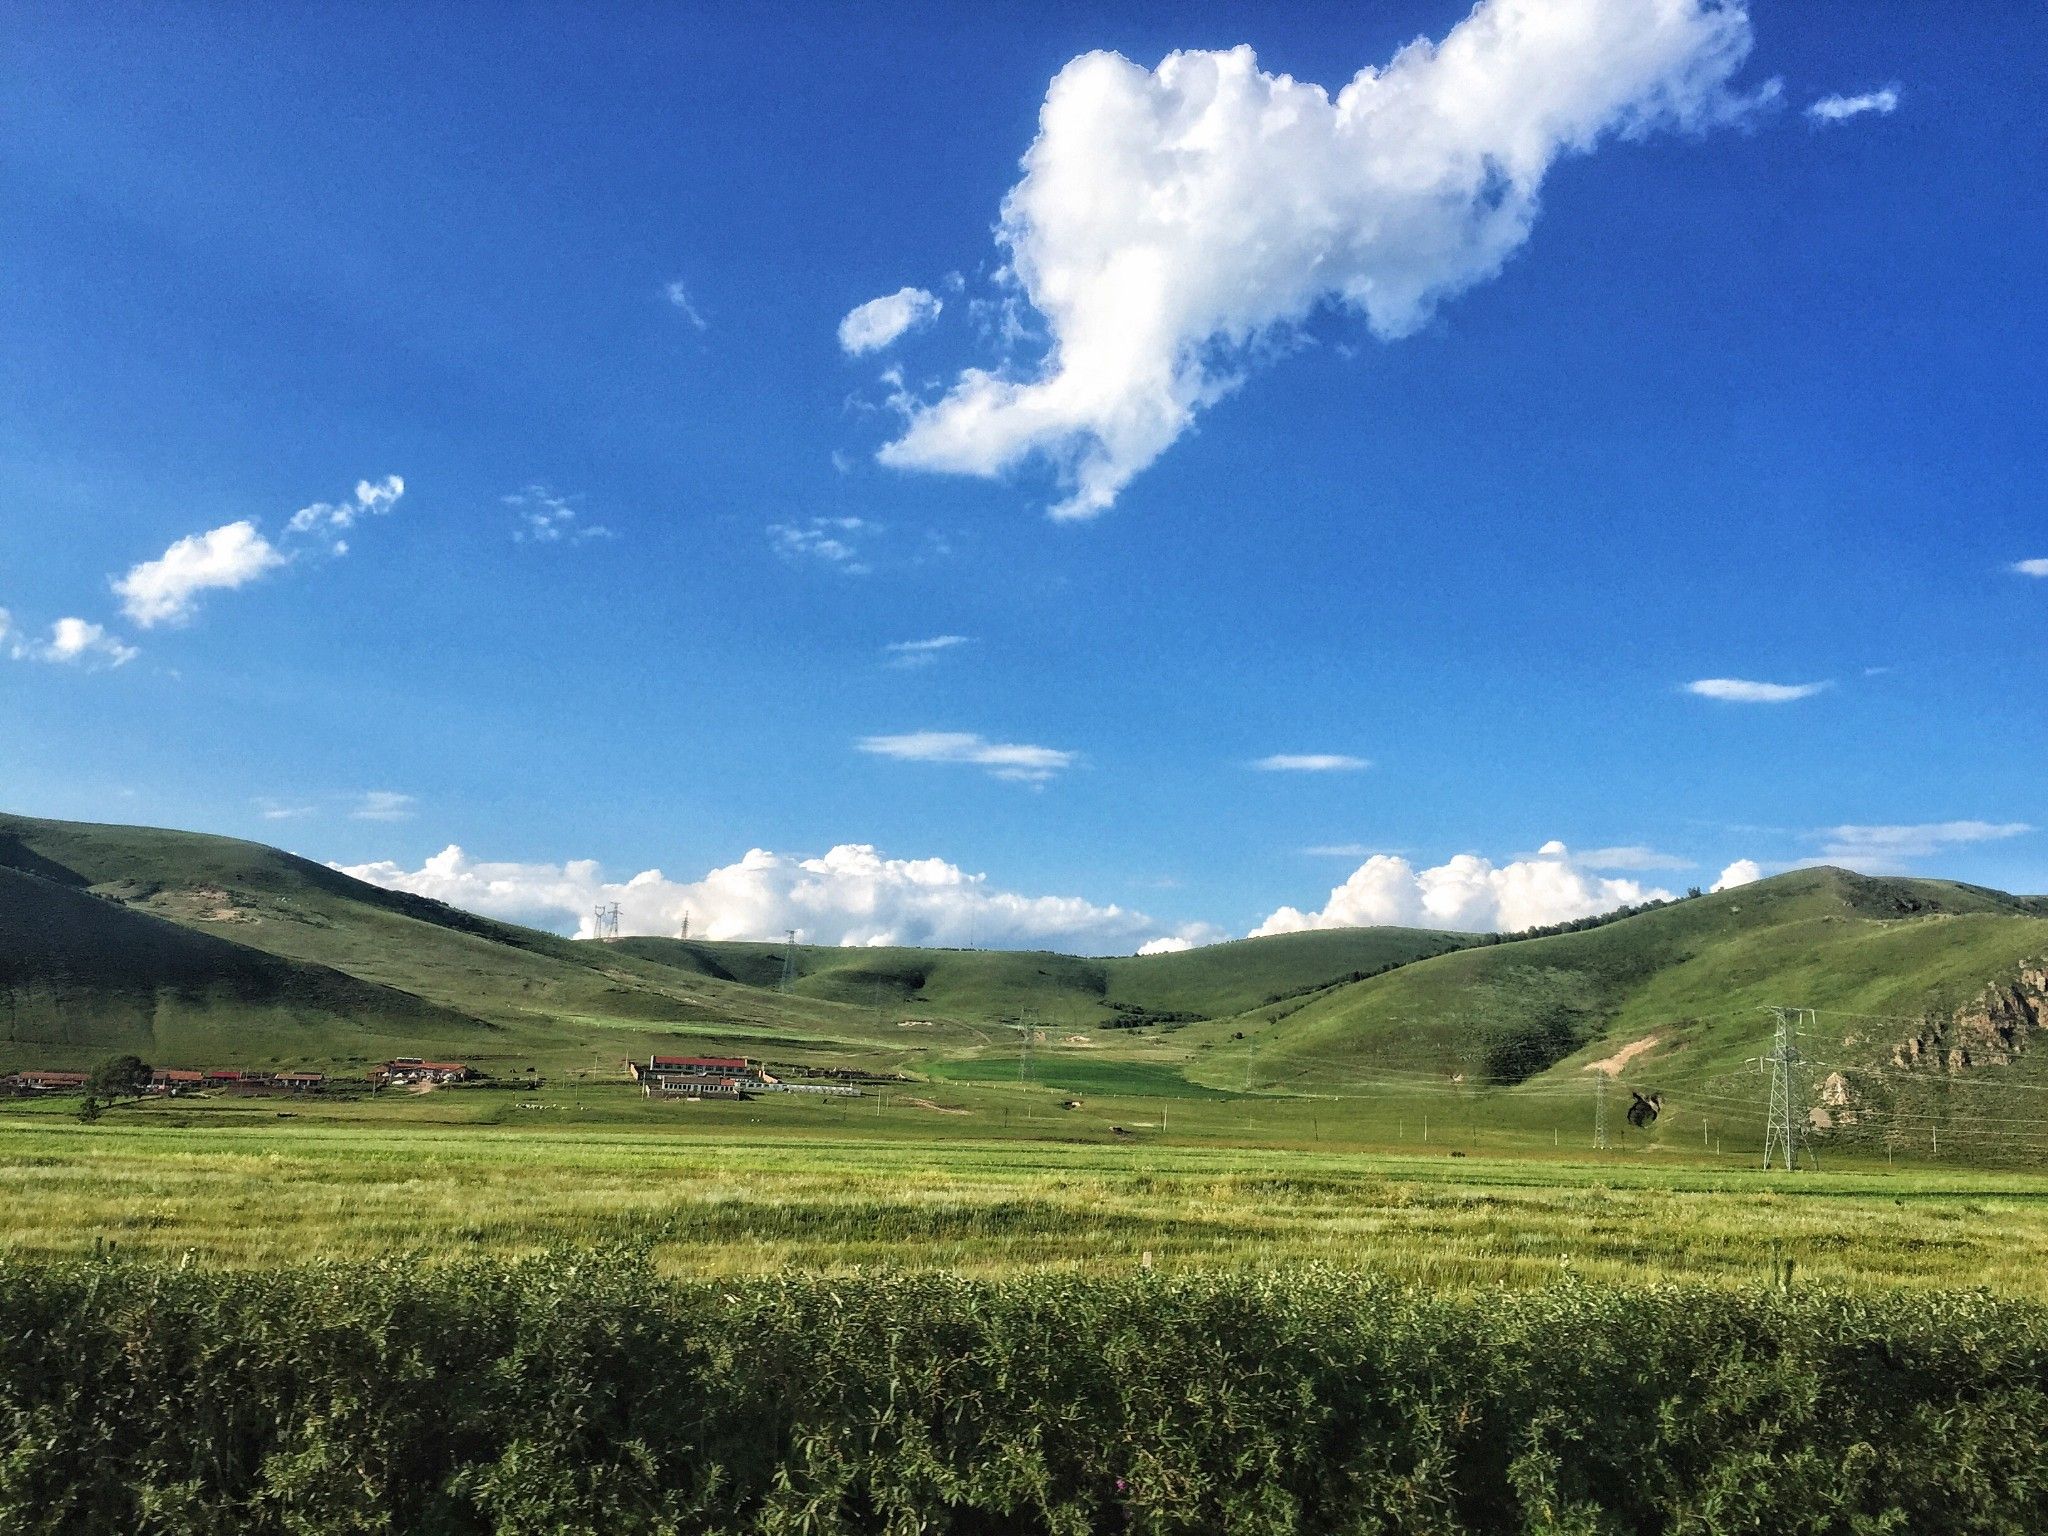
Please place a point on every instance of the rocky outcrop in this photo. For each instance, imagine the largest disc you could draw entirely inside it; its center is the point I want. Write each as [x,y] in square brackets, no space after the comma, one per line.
[1990,1032]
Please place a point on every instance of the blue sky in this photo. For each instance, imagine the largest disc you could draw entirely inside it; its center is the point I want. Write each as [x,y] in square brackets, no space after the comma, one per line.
[1748,394]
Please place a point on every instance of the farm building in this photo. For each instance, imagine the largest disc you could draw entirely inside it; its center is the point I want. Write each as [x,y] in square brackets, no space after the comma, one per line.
[700,1077]
[37,1080]
[172,1081]
[301,1082]
[411,1069]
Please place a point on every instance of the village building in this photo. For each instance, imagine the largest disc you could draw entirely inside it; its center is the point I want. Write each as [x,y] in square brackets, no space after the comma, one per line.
[38,1080]
[301,1082]
[412,1069]
[172,1081]
[700,1077]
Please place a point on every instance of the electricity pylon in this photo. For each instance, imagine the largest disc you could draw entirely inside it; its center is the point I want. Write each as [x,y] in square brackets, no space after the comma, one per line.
[1782,1123]
[788,963]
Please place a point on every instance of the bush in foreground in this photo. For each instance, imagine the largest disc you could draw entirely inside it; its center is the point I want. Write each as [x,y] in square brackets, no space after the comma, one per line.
[585,1394]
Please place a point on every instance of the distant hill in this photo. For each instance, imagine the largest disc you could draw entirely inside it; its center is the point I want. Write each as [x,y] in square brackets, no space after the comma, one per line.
[1215,981]
[196,950]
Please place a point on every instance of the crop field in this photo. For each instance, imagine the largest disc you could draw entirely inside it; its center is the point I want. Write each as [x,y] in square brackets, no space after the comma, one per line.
[707,1200]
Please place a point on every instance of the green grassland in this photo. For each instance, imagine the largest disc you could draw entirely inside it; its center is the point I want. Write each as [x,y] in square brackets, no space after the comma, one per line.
[821,1193]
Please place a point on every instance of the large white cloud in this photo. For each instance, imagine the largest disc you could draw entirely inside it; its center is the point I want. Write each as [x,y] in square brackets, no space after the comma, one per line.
[879,322]
[852,895]
[1169,220]
[1467,893]
[166,590]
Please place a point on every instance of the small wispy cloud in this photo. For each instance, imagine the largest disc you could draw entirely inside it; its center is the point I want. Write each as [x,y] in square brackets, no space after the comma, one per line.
[1338,850]
[71,642]
[1014,761]
[833,541]
[880,322]
[1884,846]
[1632,856]
[545,518]
[1742,690]
[1311,762]
[922,653]
[331,519]
[1839,109]
[2030,567]
[678,296]
[384,805]
[278,810]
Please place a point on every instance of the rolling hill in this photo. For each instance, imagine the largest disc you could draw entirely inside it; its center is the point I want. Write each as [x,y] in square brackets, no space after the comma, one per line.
[204,949]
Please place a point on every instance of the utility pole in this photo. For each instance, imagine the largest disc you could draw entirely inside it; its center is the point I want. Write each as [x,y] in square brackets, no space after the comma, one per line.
[1782,1120]
[1600,1111]
[788,963]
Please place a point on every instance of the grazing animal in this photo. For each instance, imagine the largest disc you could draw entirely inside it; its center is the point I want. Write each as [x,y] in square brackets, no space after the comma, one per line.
[1643,1111]
[1118,1130]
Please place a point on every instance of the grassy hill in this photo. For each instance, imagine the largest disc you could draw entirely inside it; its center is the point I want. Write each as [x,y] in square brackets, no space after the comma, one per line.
[1216,981]
[202,950]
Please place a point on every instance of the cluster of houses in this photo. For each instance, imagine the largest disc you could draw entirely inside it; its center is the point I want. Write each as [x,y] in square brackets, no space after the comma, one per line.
[170,1082]
[719,1077]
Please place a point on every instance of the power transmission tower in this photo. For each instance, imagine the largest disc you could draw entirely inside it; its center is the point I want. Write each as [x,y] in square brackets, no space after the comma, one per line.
[788,963]
[1600,1110]
[607,922]
[1781,1124]
[686,926]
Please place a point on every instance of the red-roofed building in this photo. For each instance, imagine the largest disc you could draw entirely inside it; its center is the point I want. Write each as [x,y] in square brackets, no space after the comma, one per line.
[700,1077]
[37,1080]
[172,1081]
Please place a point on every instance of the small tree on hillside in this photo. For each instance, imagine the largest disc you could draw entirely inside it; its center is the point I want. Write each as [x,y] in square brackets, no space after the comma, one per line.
[120,1077]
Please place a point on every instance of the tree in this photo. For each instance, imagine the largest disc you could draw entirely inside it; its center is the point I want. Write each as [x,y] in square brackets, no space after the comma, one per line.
[89,1111]
[120,1077]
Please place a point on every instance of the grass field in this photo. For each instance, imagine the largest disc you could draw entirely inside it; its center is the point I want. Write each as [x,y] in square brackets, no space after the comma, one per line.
[746,1199]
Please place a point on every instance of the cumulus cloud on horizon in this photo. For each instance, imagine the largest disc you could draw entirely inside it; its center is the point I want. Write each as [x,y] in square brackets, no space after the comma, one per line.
[1466,893]
[852,895]
[1170,223]
[1742,872]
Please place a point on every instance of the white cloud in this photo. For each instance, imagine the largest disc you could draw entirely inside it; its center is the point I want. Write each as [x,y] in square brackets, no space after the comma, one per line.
[2030,567]
[1311,762]
[545,518]
[836,541]
[1338,850]
[1885,847]
[922,653]
[1838,109]
[384,805]
[678,297]
[1634,857]
[1171,223]
[879,322]
[373,498]
[853,895]
[166,590]
[1741,872]
[1003,760]
[1740,690]
[1467,893]
[1173,944]
[72,642]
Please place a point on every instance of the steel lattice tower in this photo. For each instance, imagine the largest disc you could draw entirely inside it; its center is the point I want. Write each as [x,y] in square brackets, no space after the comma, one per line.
[1781,1126]
[788,963]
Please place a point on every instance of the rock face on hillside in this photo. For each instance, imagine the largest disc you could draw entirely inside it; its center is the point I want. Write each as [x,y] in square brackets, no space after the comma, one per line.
[1988,1033]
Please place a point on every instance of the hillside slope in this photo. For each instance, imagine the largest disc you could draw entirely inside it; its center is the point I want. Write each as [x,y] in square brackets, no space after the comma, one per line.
[1683,990]
[1216,981]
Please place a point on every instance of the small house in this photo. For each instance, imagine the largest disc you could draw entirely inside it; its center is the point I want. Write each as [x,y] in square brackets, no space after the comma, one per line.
[37,1080]
[172,1081]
